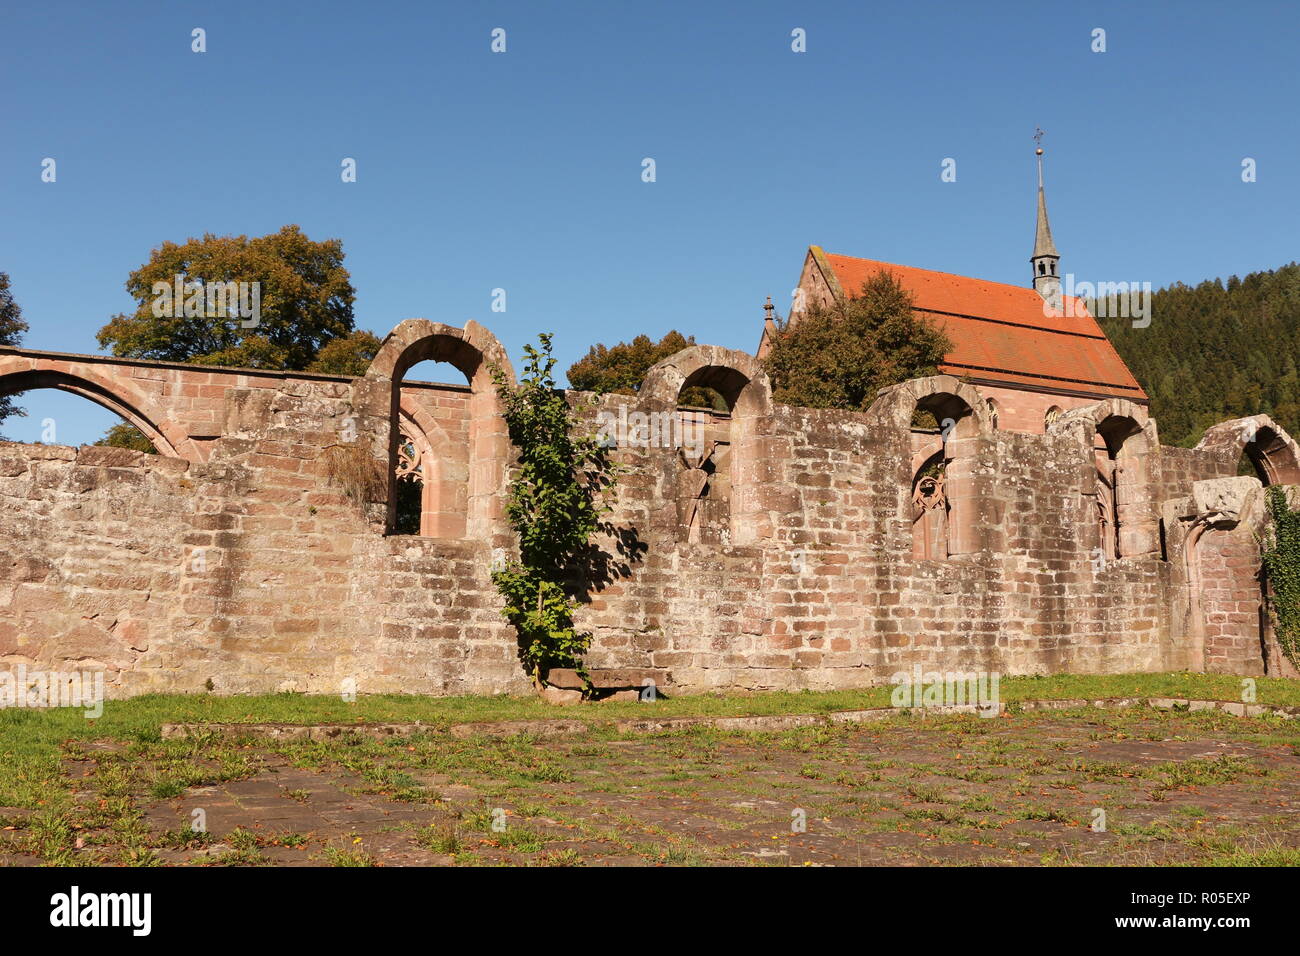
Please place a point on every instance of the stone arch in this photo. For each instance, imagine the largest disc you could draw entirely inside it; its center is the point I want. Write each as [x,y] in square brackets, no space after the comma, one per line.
[474,351]
[120,398]
[1098,412]
[1125,450]
[943,396]
[964,420]
[1273,452]
[471,350]
[736,376]
[725,472]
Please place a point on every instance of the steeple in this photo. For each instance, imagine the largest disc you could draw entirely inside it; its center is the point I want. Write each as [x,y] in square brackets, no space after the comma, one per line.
[769,323]
[1045,260]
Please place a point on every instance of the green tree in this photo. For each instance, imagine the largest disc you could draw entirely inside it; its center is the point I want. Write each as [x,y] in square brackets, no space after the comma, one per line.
[559,493]
[350,355]
[126,435]
[12,328]
[841,356]
[306,301]
[621,368]
[1215,351]
[305,319]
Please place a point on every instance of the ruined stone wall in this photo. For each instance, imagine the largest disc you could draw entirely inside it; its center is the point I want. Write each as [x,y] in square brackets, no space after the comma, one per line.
[1231,600]
[254,570]
[265,563]
[834,597]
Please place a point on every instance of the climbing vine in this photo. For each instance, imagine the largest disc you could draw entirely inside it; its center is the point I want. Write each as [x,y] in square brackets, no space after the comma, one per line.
[562,487]
[1282,565]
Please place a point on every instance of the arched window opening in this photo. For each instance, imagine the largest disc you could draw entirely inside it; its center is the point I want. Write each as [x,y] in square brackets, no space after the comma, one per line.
[431,468]
[1107,512]
[718,468]
[1122,489]
[1259,446]
[943,505]
[704,443]
[930,510]
[1052,415]
[411,486]
[993,413]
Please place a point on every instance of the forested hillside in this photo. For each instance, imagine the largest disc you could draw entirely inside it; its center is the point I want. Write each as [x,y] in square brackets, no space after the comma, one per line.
[1218,351]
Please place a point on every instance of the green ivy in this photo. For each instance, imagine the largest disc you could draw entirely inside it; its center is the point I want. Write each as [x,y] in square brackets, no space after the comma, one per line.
[561,489]
[1282,565]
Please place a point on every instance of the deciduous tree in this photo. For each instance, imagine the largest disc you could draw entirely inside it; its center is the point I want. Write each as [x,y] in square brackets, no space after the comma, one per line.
[306,300]
[350,355]
[12,328]
[841,356]
[622,367]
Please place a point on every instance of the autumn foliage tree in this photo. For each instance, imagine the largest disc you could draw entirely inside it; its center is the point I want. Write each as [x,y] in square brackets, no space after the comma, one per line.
[306,300]
[305,319]
[842,355]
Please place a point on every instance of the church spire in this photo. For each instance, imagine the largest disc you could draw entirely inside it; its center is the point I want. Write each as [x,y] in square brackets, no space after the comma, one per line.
[1045,260]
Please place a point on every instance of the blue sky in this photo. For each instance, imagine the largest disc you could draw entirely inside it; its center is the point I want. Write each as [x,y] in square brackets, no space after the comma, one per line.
[522,170]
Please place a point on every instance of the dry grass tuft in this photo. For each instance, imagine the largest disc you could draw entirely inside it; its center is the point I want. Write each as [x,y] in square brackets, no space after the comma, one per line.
[362,477]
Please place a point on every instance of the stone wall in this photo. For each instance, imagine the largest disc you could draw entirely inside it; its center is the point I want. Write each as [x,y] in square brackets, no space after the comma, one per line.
[786,558]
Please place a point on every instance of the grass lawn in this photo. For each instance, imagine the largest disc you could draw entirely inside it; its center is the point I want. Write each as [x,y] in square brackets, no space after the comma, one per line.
[110,790]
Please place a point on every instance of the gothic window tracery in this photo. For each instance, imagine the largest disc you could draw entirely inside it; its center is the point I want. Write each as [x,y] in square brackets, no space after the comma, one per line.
[410,485]
[409,462]
[930,511]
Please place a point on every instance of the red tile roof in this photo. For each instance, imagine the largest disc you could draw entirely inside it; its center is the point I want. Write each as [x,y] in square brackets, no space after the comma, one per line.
[1001,333]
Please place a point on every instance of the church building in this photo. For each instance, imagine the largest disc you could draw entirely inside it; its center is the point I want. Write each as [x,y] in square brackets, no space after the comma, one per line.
[1031,352]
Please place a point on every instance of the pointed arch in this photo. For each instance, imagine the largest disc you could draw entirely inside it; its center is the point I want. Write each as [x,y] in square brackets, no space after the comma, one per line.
[117,396]
[444,493]
[930,509]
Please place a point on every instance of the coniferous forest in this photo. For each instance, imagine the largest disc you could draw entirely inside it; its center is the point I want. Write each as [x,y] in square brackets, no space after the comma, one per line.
[1218,351]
